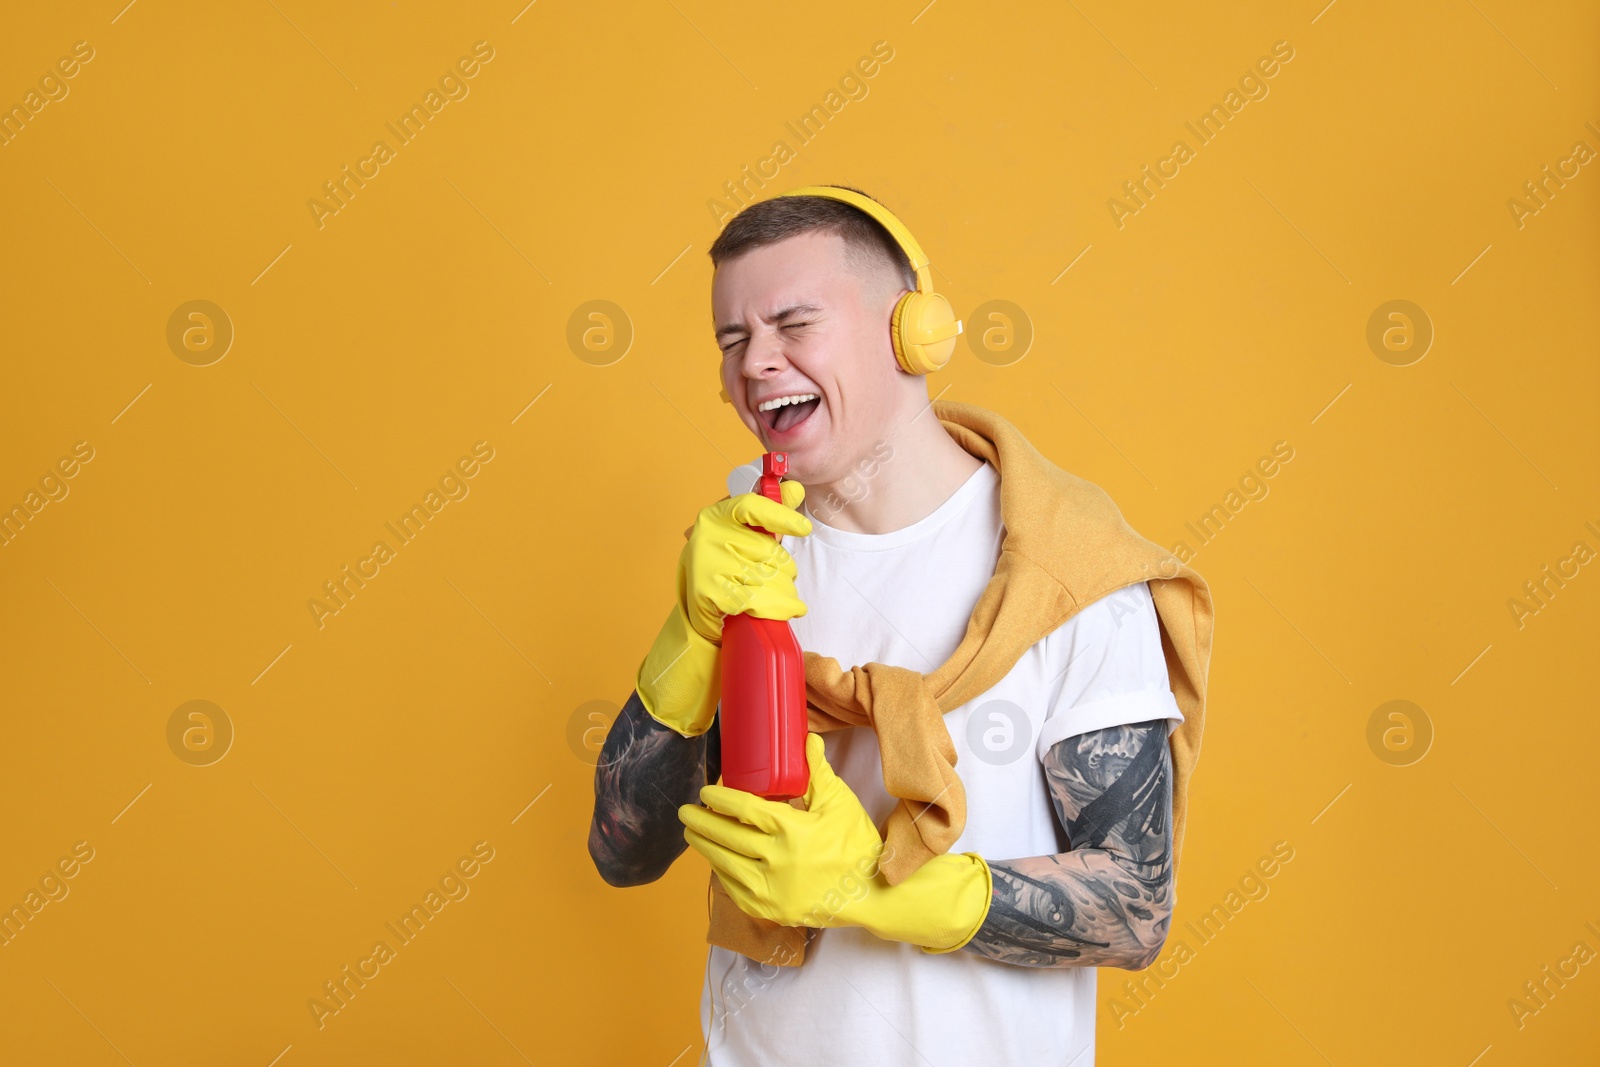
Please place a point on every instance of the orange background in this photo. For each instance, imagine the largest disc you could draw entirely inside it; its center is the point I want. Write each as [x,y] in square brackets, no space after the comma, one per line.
[455,688]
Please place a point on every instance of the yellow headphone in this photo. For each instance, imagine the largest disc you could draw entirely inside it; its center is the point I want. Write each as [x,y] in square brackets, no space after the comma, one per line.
[923,327]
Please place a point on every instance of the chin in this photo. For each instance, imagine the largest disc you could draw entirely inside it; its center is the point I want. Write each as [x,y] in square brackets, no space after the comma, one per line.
[825,465]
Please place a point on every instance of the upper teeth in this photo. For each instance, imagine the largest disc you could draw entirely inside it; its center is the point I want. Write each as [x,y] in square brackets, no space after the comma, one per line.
[779,402]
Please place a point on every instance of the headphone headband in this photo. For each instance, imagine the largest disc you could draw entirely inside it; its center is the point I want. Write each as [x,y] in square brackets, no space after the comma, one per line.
[896,228]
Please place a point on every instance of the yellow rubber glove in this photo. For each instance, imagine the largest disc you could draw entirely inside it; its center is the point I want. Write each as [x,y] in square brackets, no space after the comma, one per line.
[725,568]
[819,867]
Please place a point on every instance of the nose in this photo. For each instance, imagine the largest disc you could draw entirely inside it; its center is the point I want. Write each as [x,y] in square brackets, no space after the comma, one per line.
[763,355]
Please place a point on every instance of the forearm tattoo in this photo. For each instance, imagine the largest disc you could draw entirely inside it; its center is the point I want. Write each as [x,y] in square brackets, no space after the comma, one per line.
[1106,902]
[646,771]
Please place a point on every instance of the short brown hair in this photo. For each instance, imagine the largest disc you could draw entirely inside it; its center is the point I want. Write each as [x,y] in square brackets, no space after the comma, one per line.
[868,245]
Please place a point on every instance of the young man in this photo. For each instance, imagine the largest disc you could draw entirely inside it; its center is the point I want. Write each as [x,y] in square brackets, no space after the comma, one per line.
[1063,850]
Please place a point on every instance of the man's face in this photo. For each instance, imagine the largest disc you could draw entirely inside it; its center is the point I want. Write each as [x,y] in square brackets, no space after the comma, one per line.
[795,318]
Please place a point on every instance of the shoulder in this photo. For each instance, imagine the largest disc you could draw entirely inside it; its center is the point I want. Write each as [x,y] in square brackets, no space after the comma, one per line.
[1107,667]
[1126,613]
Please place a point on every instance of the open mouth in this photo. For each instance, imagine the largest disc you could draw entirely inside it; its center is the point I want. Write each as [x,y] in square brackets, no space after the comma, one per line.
[791,413]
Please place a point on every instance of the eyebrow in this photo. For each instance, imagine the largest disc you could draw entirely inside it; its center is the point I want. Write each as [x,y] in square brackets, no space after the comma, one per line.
[779,317]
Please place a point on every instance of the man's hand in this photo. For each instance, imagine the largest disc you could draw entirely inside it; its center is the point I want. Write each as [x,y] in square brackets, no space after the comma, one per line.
[725,568]
[728,568]
[819,867]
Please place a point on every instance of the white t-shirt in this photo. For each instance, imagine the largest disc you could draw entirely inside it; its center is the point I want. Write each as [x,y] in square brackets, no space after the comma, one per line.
[904,598]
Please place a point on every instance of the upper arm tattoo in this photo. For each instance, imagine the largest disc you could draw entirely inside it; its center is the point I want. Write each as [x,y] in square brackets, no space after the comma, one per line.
[646,771]
[1107,901]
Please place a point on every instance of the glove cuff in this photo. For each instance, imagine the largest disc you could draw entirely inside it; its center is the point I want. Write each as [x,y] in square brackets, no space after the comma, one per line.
[680,680]
[938,908]
[970,908]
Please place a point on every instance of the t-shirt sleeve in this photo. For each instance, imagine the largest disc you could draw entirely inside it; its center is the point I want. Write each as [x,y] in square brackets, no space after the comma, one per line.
[1107,669]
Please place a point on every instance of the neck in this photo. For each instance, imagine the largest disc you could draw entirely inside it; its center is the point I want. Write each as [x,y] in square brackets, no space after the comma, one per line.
[916,467]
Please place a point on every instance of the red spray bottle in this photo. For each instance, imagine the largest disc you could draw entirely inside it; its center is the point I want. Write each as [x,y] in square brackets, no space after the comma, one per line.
[763,715]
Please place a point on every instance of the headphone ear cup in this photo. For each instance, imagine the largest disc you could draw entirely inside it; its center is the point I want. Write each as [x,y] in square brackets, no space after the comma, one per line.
[897,337]
[924,329]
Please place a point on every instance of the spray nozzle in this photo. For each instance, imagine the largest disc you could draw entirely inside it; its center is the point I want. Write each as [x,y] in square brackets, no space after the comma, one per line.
[774,465]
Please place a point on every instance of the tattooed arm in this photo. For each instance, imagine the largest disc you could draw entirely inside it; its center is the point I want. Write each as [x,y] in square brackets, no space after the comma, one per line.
[646,771]
[1108,901]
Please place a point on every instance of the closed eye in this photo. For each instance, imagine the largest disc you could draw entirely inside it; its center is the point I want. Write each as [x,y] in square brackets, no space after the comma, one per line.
[786,326]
